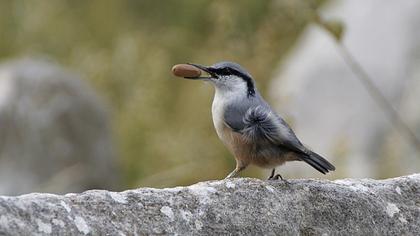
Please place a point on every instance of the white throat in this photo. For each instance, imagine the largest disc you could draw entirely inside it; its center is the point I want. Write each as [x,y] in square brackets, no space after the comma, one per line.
[222,98]
[227,95]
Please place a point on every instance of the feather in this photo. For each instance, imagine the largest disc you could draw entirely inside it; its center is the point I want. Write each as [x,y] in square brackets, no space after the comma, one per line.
[261,126]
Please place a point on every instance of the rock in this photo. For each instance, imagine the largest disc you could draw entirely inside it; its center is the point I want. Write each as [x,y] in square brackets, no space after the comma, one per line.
[228,207]
[329,108]
[54,131]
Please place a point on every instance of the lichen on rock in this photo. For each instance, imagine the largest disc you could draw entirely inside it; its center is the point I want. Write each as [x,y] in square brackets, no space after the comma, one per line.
[240,206]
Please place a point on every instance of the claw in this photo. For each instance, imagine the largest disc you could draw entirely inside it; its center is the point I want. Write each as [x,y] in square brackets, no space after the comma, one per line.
[276,177]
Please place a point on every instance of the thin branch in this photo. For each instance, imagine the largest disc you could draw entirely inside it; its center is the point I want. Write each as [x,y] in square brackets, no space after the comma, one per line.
[336,29]
[378,97]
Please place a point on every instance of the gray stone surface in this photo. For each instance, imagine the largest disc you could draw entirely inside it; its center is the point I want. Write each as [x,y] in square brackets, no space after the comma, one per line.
[55,134]
[234,207]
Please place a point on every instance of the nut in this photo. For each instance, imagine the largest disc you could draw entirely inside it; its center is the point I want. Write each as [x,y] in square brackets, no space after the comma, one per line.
[185,70]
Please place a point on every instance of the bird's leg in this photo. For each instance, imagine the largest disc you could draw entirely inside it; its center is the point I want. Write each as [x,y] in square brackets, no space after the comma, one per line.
[272,174]
[278,176]
[275,177]
[238,169]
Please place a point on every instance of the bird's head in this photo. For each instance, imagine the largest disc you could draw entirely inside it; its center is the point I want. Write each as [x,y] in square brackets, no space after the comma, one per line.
[228,76]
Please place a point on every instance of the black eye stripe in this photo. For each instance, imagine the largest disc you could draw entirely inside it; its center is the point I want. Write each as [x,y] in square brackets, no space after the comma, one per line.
[246,78]
[223,71]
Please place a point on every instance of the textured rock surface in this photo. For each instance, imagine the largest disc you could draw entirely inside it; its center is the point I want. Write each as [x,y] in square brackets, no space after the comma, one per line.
[55,134]
[237,206]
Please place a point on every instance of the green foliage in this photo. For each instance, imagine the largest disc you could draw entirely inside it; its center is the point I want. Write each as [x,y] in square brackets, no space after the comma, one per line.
[126,49]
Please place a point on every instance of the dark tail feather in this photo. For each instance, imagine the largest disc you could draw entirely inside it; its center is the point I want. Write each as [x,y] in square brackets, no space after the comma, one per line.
[318,162]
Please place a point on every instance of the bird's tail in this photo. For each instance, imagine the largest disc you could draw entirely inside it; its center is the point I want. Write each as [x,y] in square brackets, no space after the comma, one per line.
[318,162]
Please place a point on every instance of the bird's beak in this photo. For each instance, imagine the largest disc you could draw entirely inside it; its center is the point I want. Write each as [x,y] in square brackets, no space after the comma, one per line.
[206,69]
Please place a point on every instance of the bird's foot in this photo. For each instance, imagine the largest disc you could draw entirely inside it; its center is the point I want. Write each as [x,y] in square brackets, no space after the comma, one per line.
[277,177]
[235,172]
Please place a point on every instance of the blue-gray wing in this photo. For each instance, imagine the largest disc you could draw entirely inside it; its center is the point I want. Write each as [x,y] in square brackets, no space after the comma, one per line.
[259,124]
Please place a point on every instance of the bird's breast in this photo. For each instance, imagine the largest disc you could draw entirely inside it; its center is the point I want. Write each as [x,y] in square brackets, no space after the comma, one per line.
[261,154]
[217,110]
[232,140]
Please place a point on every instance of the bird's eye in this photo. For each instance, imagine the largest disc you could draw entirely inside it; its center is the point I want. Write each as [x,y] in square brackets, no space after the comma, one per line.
[226,71]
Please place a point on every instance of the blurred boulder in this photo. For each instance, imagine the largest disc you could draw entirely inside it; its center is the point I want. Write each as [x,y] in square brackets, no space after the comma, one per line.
[330,109]
[55,134]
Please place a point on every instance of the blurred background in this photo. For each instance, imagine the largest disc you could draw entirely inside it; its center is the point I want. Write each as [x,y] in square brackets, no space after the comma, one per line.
[87,99]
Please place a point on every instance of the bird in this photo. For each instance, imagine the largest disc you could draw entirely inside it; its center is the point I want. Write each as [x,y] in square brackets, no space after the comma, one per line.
[247,125]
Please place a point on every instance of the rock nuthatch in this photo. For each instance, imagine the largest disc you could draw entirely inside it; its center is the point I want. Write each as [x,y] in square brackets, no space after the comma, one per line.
[248,126]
